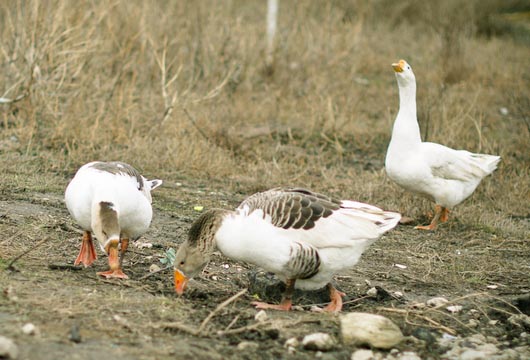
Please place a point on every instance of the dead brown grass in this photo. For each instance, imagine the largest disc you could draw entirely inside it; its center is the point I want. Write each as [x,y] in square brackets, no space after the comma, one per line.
[179,90]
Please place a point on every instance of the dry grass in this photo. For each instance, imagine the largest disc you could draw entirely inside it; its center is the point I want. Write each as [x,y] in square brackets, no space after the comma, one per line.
[179,89]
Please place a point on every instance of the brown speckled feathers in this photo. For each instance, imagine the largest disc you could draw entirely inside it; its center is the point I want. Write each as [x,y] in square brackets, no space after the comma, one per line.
[292,208]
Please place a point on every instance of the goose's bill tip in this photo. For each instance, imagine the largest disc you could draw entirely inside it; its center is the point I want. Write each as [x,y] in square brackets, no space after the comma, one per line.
[397,66]
[180,282]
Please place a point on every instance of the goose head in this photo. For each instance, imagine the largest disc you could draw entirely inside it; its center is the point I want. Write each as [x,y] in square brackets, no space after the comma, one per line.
[194,254]
[404,74]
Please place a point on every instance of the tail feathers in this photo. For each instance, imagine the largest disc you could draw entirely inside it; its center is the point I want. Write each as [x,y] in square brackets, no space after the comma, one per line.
[384,220]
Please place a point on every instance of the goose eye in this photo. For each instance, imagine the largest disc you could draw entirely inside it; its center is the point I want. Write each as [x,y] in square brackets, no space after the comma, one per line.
[181,263]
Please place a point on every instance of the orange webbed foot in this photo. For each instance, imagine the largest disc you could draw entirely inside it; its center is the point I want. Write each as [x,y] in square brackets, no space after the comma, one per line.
[87,253]
[110,274]
[336,300]
[283,306]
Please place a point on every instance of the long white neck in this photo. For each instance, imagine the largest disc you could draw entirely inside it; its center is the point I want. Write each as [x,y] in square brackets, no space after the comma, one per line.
[406,131]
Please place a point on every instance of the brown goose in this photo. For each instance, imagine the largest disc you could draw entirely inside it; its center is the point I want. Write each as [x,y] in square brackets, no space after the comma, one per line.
[301,236]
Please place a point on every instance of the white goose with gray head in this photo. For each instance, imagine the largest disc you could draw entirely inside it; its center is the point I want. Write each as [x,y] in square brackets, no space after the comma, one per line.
[301,236]
[112,200]
[441,174]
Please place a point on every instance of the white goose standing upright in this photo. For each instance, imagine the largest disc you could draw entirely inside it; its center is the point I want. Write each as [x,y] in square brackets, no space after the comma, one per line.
[112,200]
[441,174]
[301,236]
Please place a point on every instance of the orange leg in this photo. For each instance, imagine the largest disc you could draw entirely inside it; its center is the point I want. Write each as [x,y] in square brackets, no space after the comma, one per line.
[445,215]
[87,254]
[336,299]
[286,303]
[114,262]
[434,223]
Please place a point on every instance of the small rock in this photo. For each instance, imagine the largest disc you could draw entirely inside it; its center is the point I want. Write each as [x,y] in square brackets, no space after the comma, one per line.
[399,266]
[437,301]
[424,334]
[316,309]
[408,355]
[492,287]
[261,316]
[472,354]
[8,349]
[30,329]
[493,322]
[373,330]
[318,341]
[398,294]
[363,354]
[291,342]
[247,345]
[372,292]
[477,339]
[454,308]
[154,268]
[504,111]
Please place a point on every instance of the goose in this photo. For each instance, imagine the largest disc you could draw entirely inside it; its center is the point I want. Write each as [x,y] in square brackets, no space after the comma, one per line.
[113,201]
[301,236]
[444,175]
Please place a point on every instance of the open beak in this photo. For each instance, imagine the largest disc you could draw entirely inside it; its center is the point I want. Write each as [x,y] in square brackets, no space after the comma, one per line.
[180,282]
[399,66]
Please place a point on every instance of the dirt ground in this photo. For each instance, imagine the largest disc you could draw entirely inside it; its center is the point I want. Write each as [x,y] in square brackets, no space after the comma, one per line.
[81,316]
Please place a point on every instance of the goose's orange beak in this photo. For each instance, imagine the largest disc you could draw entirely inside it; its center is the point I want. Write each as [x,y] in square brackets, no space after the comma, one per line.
[399,66]
[180,282]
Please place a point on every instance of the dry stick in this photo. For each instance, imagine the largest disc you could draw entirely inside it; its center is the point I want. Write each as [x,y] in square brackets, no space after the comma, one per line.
[197,332]
[429,320]
[10,265]
[219,308]
[194,123]
[154,272]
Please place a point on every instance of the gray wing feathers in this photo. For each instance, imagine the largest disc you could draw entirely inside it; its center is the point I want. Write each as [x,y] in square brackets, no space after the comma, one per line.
[117,167]
[292,208]
[304,261]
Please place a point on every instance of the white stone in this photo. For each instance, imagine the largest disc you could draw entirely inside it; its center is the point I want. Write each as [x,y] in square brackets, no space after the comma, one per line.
[472,354]
[472,323]
[373,330]
[154,268]
[318,341]
[8,349]
[372,292]
[437,301]
[247,345]
[291,342]
[454,308]
[520,320]
[504,111]
[408,355]
[30,329]
[363,354]
[261,316]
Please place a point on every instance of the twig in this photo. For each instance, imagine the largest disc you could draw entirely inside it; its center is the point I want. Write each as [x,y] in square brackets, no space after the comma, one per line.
[10,265]
[194,123]
[219,308]
[64,267]
[154,272]
[4,100]
[198,331]
[243,328]
[415,313]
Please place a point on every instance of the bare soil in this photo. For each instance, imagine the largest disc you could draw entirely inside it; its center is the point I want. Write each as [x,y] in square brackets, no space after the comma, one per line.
[82,316]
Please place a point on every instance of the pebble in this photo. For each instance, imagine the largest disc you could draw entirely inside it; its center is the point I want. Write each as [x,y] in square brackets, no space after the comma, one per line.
[261,316]
[408,355]
[363,354]
[437,301]
[291,342]
[372,292]
[454,308]
[247,345]
[520,320]
[373,330]
[30,329]
[318,341]
[154,268]
[8,349]
[473,323]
